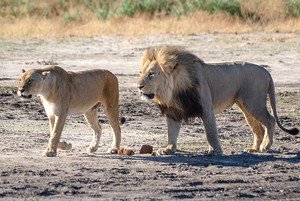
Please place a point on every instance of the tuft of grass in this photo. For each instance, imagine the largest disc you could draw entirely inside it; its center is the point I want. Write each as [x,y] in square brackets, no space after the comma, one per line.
[293,7]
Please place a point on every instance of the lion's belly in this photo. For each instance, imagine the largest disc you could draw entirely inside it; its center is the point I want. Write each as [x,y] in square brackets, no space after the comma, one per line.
[220,107]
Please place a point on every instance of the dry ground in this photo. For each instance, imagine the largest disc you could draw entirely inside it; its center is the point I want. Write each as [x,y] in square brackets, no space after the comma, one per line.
[26,175]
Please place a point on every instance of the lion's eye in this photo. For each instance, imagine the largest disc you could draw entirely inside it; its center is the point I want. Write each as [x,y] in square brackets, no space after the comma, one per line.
[150,75]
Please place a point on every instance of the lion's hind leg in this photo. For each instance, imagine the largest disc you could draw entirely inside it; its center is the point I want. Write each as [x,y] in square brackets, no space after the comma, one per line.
[92,119]
[260,114]
[257,130]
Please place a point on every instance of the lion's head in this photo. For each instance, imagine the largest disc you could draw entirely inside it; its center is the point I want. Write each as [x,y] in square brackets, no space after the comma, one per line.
[169,78]
[33,82]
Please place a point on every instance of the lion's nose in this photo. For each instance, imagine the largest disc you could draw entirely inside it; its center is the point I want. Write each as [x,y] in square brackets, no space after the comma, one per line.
[140,87]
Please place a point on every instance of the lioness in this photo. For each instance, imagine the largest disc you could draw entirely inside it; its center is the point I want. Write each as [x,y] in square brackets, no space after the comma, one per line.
[65,93]
[184,87]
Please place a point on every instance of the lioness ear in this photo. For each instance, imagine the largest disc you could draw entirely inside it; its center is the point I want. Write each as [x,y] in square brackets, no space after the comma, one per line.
[23,71]
[45,74]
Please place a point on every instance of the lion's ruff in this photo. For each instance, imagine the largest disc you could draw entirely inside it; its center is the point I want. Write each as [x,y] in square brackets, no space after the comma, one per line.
[184,87]
[65,93]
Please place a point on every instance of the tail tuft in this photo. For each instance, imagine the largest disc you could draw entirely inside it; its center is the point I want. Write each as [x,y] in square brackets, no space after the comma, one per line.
[293,131]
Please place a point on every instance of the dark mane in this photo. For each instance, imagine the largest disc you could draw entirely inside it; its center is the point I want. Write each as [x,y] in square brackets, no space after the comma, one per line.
[183,66]
[187,100]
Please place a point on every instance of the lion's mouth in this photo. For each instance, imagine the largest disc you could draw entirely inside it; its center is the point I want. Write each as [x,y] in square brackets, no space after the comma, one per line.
[150,96]
[147,97]
[24,95]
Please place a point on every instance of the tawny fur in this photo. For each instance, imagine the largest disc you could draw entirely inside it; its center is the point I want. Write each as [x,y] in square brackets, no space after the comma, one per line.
[184,87]
[65,93]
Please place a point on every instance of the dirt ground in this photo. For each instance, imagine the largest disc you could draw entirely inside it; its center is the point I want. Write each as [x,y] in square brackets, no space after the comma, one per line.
[190,174]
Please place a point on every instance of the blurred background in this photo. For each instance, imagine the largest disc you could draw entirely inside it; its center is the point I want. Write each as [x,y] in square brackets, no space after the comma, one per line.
[71,18]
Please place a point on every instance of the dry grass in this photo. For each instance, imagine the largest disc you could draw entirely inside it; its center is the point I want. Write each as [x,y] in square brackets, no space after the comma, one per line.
[65,20]
[193,24]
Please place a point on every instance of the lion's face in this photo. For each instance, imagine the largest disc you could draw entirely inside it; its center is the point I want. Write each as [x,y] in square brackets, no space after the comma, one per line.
[150,81]
[31,83]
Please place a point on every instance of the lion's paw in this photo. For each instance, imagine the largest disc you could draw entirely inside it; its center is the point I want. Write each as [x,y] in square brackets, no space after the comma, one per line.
[48,153]
[213,153]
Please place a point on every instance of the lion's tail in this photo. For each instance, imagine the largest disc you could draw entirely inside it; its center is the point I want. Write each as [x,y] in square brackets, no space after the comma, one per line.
[292,131]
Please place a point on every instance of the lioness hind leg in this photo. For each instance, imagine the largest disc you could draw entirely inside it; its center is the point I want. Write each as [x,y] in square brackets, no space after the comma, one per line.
[92,119]
[112,113]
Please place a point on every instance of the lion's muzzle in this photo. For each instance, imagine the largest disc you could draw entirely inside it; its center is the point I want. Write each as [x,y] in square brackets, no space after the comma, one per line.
[145,96]
[21,92]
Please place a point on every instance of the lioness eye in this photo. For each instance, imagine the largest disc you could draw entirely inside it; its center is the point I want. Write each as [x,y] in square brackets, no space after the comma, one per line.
[29,81]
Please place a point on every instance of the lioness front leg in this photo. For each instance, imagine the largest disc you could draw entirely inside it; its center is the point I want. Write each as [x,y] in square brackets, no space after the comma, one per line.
[210,126]
[59,123]
[92,119]
[173,133]
[61,145]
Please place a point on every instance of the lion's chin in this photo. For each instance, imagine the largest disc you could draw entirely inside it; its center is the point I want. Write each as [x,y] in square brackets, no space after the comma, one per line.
[147,97]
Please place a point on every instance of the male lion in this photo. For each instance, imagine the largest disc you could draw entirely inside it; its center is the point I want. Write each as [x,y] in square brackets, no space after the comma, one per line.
[184,87]
[66,93]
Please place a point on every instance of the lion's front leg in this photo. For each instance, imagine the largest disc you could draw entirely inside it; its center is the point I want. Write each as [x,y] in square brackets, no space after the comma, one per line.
[57,128]
[173,133]
[209,122]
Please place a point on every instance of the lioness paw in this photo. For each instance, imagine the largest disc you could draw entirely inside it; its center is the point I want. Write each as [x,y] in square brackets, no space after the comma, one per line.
[64,145]
[112,151]
[48,153]
[251,150]
[92,149]
[164,152]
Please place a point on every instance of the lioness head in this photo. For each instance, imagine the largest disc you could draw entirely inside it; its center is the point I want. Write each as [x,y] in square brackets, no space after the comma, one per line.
[31,82]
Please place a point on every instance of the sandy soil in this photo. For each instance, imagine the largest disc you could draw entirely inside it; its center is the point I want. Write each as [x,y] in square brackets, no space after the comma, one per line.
[190,174]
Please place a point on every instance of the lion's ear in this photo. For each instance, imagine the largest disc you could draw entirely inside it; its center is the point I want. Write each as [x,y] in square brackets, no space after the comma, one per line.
[23,71]
[167,60]
[168,67]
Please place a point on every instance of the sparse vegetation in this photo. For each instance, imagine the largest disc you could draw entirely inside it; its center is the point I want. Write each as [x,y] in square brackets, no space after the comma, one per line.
[106,9]
[255,14]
